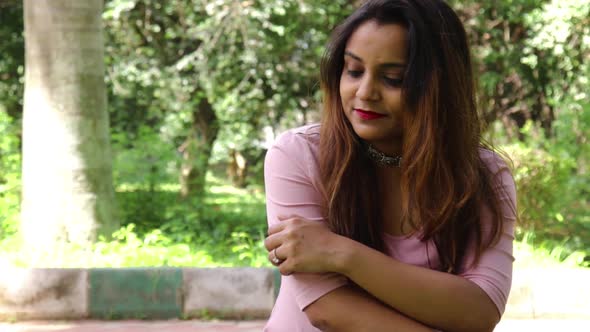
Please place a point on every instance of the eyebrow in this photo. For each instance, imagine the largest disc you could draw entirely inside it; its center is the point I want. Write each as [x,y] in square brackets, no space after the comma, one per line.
[387,65]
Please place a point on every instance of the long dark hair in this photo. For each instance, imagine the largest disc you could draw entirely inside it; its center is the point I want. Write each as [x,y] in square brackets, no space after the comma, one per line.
[444,182]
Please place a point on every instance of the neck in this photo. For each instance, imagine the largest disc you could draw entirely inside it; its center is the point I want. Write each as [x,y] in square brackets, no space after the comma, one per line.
[390,148]
[381,159]
[388,174]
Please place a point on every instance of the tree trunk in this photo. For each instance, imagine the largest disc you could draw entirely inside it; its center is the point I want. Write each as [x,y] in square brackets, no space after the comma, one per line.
[237,168]
[68,193]
[196,150]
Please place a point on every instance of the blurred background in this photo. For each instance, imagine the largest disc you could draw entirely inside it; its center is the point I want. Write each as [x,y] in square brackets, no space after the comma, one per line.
[197,90]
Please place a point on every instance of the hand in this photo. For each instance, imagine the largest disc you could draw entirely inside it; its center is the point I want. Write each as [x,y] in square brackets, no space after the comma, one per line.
[304,245]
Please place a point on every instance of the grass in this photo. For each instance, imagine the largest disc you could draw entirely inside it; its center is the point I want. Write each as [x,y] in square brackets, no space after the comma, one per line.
[159,230]
[226,231]
[529,256]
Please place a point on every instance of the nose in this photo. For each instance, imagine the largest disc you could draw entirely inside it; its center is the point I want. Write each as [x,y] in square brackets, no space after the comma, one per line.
[368,89]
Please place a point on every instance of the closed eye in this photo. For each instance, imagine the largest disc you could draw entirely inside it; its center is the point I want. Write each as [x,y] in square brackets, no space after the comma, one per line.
[393,82]
[354,73]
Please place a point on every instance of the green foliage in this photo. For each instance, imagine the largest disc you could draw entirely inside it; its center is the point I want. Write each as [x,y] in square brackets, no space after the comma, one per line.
[231,233]
[529,254]
[126,249]
[256,62]
[248,249]
[543,182]
[143,159]
[10,178]
[12,60]
[552,196]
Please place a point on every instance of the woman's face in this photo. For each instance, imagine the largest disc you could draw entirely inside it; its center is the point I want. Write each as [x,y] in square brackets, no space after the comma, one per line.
[370,85]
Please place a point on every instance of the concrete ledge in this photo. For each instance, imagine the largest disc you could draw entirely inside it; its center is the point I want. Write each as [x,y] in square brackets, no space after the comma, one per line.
[43,294]
[236,293]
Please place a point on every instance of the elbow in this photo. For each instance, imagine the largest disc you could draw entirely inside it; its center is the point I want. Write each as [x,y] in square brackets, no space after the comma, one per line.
[491,318]
[476,321]
[317,319]
[320,324]
[320,320]
[487,323]
[490,325]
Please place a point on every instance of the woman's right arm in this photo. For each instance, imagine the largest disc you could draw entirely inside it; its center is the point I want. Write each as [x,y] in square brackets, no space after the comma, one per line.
[350,309]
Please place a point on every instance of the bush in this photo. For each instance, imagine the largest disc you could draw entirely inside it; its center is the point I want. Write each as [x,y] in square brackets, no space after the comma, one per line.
[10,164]
[543,183]
[551,187]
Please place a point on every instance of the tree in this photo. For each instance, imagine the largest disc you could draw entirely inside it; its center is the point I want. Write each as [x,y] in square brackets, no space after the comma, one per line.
[217,72]
[67,174]
[146,40]
[12,59]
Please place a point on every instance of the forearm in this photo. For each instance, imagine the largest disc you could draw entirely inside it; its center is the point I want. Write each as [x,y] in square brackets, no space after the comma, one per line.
[348,309]
[442,300]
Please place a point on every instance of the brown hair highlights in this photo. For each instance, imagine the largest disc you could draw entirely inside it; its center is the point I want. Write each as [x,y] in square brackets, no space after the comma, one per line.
[444,181]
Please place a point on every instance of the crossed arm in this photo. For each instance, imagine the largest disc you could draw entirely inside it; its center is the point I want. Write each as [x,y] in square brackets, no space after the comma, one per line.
[394,296]
[350,309]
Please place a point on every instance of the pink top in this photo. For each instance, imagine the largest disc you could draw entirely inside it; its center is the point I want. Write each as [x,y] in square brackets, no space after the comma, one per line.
[291,175]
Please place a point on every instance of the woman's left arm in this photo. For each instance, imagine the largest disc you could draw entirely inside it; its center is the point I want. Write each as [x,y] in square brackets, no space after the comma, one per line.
[445,301]
[442,300]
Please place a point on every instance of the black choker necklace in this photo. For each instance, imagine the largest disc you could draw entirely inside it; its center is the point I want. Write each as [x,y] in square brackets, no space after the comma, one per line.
[382,159]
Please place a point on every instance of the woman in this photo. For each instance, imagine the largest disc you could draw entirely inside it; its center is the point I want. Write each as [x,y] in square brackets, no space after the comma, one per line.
[391,215]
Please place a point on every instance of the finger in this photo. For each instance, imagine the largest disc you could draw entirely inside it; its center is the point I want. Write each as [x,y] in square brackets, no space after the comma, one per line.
[273,241]
[285,269]
[284,221]
[275,228]
[274,258]
[283,217]
[278,255]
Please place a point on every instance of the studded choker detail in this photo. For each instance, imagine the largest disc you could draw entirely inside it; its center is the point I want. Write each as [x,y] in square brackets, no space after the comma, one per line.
[381,158]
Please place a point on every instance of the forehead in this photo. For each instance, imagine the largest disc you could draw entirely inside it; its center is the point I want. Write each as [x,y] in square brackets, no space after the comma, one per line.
[379,43]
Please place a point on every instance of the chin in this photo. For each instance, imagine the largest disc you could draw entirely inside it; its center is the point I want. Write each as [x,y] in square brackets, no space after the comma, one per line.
[377,134]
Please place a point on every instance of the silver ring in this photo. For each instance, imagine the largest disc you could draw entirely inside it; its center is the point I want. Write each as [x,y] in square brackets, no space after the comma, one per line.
[275,260]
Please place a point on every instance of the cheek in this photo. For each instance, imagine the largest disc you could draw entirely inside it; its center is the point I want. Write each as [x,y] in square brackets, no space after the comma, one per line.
[394,100]
[346,91]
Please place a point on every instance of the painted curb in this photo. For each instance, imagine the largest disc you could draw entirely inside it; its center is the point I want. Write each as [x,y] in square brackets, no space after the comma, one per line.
[135,293]
[231,293]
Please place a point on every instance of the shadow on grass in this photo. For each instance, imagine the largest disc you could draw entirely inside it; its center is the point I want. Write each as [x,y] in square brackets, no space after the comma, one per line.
[228,225]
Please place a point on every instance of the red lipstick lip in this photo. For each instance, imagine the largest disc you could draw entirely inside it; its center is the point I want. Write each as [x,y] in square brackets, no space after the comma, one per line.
[367,115]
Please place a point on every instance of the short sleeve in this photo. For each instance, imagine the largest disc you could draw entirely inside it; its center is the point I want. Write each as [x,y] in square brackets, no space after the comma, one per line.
[290,191]
[493,273]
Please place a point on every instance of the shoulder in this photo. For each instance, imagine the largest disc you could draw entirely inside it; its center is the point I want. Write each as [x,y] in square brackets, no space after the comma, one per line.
[301,137]
[493,161]
[298,145]
[500,174]
[294,154]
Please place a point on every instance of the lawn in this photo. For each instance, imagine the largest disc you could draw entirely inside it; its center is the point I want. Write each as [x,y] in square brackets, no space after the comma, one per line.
[227,230]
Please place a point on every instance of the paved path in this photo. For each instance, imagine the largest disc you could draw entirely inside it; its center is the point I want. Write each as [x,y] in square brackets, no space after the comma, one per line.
[133,326]
[254,326]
